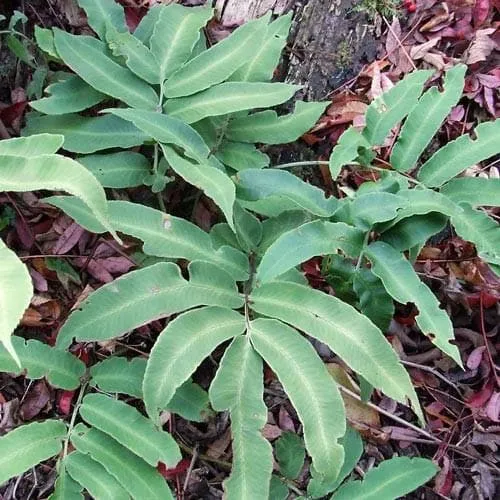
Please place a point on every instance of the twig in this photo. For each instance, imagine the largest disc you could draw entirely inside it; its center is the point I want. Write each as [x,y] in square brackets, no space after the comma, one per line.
[398,41]
[486,343]
[433,371]
[190,469]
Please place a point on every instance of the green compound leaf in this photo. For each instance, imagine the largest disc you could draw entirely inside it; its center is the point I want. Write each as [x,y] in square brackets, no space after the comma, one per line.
[38,360]
[146,26]
[181,347]
[163,235]
[229,97]
[390,480]
[290,453]
[101,13]
[432,109]
[214,183]
[475,191]
[87,135]
[353,449]
[138,478]
[35,145]
[55,172]
[166,129]
[404,285]
[460,154]
[392,106]
[241,156]
[66,488]
[145,295]
[138,57]
[68,96]
[414,230]
[217,63]
[311,390]
[259,65]
[117,170]
[248,229]
[307,241]
[253,185]
[116,374]
[352,336]
[45,41]
[16,291]
[118,419]
[475,226]
[175,34]
[28,445]
[239,388]
[93,477]
[269,128]
[87,57]
[346,150]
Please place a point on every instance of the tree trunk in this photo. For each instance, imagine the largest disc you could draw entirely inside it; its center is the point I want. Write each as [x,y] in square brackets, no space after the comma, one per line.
[329,43]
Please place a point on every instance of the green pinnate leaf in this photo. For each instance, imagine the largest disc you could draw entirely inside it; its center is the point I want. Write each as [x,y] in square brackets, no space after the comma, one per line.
[404,285]
[118,419]
[460,154]
[181,347]
[390,480]
[88,57]
[45,40]
[241,156]
[269,128]
[239,388]
[432,109]
[175,34]
[307,241]
[34,145]
[346,150]
[146,26]
[311,390]
[15,295]
[290,453]
[229,97]
[28,445]
[248,229]
[68,96]
[38,360]
[104,13]
[93,477]
[138,478]
[348,333]
[216,64]
[66,488]
[475,191]
[144,295]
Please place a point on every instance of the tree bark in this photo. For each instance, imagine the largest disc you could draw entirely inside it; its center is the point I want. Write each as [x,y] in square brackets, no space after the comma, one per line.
[329,42]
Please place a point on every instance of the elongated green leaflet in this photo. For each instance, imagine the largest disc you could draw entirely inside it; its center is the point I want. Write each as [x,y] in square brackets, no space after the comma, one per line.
[431,109]
[138,478]
[241,156]
[175,34]
[346,150]
[217,63]
[117,418]
[239,388]
[15,296]
[269,128]
[55,172]
[404,285]
[28,445]
[87,57]
[460,154]
[87,135]
[93,477]
[307,241]
[66,488]
[144,295]
[392,106]
[390,480]
[310,388]
[38,360]
[181,347]
[229,97]
[101,13]
[41,144]
[473,190]
[348,333]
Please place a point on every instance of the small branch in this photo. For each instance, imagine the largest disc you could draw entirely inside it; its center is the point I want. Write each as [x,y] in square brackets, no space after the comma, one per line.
[303,164]
[73,419]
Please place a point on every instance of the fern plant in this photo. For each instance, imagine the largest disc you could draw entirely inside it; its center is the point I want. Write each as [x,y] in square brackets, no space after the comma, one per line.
[242,291]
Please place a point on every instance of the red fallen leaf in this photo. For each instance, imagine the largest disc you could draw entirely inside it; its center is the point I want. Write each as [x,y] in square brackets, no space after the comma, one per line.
[475,357]
[481,11]
[444,480]
[173,472]
[493,407]
[488,299]
[10,113]
[479,399]
[64,400]
[82,353]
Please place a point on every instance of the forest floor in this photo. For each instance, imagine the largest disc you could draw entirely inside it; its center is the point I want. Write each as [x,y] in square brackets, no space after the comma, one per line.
[462,406]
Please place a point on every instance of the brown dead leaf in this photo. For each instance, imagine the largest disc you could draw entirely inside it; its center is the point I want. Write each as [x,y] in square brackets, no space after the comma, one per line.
[482,46]
[35,401]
